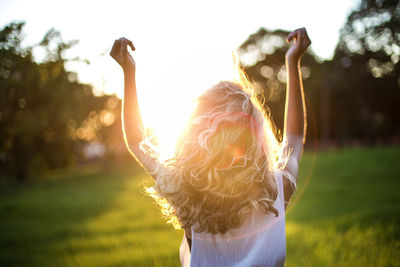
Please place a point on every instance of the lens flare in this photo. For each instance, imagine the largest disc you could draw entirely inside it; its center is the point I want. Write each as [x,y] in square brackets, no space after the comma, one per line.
[166,128]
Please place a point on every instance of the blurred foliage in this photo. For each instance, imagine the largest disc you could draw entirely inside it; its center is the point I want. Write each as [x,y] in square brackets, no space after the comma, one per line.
[367,59]
[353,97]
[47,117]
[263,58]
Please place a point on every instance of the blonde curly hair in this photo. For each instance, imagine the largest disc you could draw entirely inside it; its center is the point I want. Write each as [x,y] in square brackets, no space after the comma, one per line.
[224,163]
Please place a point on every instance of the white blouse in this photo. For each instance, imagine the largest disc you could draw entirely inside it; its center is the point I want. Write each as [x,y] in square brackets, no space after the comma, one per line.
[259,241]
[261,238]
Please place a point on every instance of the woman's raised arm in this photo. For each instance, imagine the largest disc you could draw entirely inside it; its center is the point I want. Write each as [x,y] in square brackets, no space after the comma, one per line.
[132,125]
[295,108]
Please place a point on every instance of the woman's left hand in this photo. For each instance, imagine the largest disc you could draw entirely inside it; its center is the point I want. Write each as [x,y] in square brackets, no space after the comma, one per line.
[301,42]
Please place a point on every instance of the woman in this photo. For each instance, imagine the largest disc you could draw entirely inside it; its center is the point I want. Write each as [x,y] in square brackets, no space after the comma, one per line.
[230,180]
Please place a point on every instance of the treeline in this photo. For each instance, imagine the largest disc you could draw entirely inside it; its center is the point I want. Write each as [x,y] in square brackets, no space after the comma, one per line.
[47,117]
[353,98]
[49,120]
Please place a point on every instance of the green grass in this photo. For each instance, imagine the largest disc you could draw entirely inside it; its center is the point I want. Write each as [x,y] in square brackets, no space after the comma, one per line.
[349,213]
[346,213]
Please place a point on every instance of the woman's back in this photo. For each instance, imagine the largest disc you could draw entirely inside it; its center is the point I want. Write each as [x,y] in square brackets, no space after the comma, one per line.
[222,185]
[259,241]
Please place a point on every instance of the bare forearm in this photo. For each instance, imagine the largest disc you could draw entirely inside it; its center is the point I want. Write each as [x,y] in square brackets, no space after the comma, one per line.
[295,125]
[131,118]
[132,125]
[295,110]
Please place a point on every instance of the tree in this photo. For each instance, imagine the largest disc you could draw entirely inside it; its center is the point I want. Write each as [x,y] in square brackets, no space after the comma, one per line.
[46,114]
[354,97]
[367,59]
[262,57]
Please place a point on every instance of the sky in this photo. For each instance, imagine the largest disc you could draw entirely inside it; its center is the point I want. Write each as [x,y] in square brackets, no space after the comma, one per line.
[182,47]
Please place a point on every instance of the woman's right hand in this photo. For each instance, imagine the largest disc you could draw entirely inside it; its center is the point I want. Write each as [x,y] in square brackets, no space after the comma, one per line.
[120,53]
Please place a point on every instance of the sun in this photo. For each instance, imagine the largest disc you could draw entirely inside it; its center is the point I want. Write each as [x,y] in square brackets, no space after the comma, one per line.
[166,126]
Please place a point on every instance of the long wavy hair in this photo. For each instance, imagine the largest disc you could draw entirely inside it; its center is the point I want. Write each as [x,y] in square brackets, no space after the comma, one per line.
[224,163]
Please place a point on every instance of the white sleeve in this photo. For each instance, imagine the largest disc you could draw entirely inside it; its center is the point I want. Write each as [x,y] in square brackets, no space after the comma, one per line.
[292,150]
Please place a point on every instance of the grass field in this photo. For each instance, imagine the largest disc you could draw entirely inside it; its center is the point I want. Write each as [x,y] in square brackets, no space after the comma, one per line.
[346,213]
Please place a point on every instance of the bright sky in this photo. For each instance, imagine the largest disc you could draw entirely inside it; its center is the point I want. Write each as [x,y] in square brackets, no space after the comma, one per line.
[182,47]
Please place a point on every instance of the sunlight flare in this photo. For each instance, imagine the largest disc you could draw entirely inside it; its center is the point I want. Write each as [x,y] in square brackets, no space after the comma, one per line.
[167,126]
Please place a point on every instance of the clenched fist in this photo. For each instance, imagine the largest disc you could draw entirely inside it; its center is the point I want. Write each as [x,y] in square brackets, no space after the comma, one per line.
[301,42]
[120,53]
